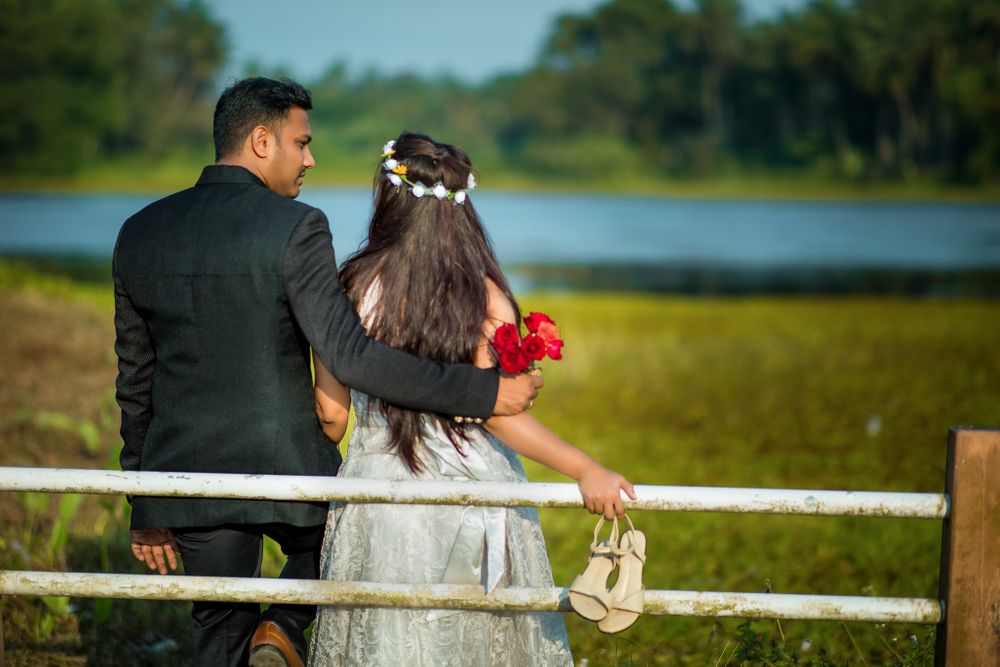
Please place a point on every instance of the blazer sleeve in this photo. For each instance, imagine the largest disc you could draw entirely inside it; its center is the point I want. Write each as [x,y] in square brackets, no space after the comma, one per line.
[330,324]
[133,387]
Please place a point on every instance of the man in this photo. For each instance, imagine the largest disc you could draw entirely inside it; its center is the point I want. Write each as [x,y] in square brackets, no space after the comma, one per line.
[220,291]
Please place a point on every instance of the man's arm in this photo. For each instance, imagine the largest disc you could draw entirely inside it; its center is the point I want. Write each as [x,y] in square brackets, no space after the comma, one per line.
[136,360]
[155,547]
[331,326]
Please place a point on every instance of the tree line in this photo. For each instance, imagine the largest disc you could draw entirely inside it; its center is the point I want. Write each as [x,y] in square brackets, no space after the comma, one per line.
[860,90]
[84,81]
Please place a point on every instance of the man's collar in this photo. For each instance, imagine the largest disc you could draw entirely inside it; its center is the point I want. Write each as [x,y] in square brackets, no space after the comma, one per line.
[227,173]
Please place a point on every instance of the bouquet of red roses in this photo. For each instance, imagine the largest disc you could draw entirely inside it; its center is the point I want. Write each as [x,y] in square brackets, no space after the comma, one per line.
[519,354]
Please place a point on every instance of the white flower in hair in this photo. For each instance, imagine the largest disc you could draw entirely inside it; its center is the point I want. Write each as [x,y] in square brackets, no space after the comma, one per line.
[395,179]
[471,184]
[390,164]
[419,190]
[439,190]
[460,197]
[389,148]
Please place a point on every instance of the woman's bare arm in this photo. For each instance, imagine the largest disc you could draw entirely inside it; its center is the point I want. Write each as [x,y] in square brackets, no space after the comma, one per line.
[601,488]
[333,402]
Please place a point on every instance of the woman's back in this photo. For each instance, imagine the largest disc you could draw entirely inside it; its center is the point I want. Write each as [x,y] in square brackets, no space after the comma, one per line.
[434,544]
[427,282]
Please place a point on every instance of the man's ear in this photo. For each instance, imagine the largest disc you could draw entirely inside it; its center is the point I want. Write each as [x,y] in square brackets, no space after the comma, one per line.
[261,141]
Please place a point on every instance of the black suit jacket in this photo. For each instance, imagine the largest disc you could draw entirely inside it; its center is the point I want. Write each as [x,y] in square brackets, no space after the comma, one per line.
[220,290]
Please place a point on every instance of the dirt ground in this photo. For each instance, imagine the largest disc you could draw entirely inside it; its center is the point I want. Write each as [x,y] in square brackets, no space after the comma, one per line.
[55,355]
[58,368]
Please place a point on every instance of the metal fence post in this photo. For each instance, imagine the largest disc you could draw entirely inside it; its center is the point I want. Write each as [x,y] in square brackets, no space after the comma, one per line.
[970,552]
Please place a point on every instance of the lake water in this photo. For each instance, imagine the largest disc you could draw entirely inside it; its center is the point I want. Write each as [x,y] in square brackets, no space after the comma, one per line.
[604,230]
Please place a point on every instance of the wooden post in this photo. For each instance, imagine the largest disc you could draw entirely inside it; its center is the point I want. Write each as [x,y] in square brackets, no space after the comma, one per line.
[970,552]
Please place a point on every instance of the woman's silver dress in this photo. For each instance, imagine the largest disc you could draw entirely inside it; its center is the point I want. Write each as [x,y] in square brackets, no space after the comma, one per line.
[430,544]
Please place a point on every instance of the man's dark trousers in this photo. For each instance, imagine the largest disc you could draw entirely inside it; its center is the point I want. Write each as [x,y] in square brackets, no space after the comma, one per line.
[222,630]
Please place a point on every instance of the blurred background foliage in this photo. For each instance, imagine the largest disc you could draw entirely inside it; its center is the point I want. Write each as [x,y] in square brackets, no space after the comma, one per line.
[635,92]
[806,392]
[86,81]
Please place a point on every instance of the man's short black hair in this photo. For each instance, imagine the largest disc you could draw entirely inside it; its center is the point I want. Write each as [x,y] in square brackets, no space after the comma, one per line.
[252,102]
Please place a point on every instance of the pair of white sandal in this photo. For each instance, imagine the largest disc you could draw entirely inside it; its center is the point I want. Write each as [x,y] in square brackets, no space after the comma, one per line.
[616,609]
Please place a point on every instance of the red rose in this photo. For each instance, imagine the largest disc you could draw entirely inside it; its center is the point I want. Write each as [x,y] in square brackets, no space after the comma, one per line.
[534,319]
[513,360]
[553,348]
[548,331]
[533,347]
[505,336]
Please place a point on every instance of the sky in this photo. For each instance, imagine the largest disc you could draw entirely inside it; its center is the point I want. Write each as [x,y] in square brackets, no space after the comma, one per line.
[472,40]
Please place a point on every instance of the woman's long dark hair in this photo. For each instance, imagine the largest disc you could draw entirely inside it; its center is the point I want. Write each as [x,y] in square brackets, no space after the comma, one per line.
[430,258]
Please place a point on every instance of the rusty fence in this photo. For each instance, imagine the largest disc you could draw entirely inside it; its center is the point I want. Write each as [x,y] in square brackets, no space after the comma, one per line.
[968,634]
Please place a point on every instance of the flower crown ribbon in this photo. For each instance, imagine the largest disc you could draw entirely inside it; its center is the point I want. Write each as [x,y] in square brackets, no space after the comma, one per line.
[396,173]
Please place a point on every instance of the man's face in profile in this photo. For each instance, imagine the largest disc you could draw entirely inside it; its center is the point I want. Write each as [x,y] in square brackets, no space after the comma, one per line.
[292,156]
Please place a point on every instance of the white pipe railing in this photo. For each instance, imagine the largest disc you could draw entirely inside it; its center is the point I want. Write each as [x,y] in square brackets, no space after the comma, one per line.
[449,596]
[304,488]
[294,487]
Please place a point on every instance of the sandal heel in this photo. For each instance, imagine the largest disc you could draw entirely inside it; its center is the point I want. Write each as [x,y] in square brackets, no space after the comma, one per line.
[589,595]
[628,594]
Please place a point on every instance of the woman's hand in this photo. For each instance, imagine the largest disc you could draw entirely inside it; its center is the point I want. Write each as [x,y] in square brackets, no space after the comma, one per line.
[601,490]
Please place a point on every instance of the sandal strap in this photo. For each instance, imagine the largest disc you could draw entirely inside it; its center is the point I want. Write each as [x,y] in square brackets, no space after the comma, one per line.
[634,602]
[619,552]
[611,541]
[601,549]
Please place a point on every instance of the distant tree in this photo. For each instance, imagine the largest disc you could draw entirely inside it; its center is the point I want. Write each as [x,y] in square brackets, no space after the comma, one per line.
[80,81]
[856,89]
[719,42]
[966,78]
[175,51]
[62,90]
[618,77]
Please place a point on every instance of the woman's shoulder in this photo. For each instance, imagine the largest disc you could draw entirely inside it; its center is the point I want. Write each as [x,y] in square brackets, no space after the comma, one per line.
[499,308]
[499,311]
[366,307]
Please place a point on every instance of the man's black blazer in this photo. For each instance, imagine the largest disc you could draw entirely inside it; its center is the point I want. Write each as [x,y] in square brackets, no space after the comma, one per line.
[220,290]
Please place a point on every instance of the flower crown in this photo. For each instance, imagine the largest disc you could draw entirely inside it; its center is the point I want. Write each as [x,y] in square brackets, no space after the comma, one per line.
[397,176]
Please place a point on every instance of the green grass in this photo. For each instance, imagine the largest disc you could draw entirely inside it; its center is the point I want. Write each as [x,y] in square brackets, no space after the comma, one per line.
[853,393]
[56,280]
[769,393]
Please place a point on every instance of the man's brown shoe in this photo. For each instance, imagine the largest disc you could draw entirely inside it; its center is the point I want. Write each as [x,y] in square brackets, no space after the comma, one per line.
[271,647]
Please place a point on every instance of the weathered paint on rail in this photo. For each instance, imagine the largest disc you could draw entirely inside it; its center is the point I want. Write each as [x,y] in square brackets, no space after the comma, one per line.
[446,596]
[798,607]
[287,487]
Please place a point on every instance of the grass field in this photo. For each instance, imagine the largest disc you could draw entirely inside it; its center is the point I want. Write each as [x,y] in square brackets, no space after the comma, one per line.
[802,393]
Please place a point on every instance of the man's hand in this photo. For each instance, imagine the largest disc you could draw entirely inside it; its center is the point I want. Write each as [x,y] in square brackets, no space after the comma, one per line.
[156,547]
[517,394]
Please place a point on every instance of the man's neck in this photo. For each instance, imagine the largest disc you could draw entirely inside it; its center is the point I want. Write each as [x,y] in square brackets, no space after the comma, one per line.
[240,161]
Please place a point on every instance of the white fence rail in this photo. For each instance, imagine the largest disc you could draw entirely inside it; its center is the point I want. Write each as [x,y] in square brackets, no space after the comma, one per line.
[447,596]
[302,488]
[293,487]
[969,633]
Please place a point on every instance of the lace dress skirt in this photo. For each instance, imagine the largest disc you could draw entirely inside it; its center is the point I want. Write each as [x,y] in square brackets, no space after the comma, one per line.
[431,544]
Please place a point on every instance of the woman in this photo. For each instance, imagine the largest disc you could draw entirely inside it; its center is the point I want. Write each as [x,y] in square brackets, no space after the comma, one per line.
[427,282]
